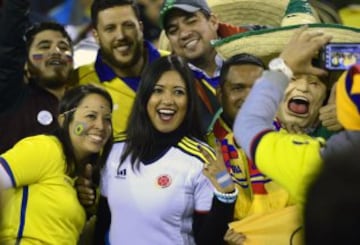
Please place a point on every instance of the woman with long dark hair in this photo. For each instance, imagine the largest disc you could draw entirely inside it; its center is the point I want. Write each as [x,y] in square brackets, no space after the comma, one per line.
[158,184]
[37,175]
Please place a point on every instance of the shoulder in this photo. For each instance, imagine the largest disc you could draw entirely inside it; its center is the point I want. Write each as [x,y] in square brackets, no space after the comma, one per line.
[87,74]
[190,147]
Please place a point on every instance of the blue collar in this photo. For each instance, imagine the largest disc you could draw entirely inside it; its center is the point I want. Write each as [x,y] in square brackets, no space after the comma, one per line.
[105,72]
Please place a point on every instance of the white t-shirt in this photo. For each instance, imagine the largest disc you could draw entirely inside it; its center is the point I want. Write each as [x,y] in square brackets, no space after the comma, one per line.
[155,204]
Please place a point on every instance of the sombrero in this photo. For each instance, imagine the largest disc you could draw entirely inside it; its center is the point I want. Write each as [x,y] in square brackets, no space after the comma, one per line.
[252,12]
[268,43]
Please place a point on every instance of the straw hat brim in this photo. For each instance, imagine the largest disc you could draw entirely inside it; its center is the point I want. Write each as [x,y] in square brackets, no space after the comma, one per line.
[267,44]
[244,12]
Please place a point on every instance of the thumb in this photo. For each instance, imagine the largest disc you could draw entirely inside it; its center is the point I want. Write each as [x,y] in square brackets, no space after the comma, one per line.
[88,171]
[332,97]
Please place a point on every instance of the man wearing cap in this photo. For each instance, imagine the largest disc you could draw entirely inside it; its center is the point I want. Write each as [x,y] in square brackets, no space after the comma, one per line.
[190,26]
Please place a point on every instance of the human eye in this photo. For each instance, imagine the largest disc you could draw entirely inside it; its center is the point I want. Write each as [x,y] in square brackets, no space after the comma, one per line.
[191,20]
[64,47]
[44,46]
[157,90]
[91,116]
[172,30]
[109,28]
[238,87]
[129,25]
[179,91]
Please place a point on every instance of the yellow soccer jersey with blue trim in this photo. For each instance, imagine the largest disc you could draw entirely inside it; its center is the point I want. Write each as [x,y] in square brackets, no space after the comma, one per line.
[292,160]
[43,207]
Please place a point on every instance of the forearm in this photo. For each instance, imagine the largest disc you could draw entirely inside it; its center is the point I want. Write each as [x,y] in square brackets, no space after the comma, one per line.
[260,107]
[210,228]
[103,220]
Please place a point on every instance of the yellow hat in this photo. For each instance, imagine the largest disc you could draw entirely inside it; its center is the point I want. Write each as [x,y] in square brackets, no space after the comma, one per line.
[348,98]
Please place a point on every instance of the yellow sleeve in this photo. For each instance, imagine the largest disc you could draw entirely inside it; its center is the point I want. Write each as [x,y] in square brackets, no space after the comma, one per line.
[290,160]
[33,158]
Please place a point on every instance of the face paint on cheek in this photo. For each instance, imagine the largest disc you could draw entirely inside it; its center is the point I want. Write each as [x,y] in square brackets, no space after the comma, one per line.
[80,128]
[69,57]
[38,57]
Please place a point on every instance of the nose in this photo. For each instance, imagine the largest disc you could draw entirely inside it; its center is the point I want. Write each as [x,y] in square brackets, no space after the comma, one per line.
[302,85]
[100,123]
[119,33]
[184,31]
[167,98]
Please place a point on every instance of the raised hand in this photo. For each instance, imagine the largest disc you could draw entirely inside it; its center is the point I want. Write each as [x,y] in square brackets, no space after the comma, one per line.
[302,47]
[215,170]
[327,113]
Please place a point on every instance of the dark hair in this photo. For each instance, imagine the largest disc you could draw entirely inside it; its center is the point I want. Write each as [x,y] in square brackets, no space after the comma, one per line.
[332,213]
[71,100]
[238,59]
[34,29]
[140,131]
[100,5]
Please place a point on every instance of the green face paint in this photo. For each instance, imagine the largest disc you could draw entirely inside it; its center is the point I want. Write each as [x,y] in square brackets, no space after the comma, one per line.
[79,128]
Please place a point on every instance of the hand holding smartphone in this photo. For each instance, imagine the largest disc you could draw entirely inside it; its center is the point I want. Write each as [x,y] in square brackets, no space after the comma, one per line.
[340,56]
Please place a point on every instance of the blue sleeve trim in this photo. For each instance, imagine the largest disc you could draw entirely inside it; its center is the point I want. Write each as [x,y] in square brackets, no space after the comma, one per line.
[24,203]
[255,142]
[6,166]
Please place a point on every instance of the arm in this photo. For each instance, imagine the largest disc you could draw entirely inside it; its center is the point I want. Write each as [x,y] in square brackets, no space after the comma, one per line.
[210,226]
[14,21]
[103,220]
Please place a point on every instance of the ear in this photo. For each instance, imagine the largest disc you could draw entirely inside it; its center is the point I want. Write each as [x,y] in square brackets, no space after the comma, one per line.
[61,119]
[26,69]
[141,26]
[214,21]
[96,35]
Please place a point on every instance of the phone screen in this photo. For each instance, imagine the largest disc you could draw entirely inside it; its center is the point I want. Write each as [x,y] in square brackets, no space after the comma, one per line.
[340,56]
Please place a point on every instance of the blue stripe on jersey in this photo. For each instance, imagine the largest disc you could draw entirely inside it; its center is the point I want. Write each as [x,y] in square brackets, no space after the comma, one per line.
[6,166]
[23,213]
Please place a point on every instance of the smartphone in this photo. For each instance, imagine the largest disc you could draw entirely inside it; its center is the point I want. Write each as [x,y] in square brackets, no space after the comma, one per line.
[340,56]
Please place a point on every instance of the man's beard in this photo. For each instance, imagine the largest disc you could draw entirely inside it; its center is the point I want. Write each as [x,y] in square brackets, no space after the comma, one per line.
[56,81]
[109,58]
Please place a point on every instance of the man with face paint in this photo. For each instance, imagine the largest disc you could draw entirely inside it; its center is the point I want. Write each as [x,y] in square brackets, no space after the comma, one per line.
[29,97]
[122,56]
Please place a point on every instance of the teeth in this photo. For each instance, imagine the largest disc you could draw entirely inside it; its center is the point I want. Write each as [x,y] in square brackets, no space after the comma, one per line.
[165,111]
[191,44]
[122,48]
[95,137]
[300,98]
[55,62]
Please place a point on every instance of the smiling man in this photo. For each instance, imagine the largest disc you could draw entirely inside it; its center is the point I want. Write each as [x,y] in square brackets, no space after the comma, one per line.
[29,97]
[122,56]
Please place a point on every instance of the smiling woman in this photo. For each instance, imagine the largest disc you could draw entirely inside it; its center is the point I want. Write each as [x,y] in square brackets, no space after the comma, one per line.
[160,169]
[37,174]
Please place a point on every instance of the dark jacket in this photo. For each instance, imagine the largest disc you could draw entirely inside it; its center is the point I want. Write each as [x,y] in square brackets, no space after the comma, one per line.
[25,108]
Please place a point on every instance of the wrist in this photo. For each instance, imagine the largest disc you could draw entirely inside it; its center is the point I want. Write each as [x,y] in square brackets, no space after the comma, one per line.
[279,64]
[226,197]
